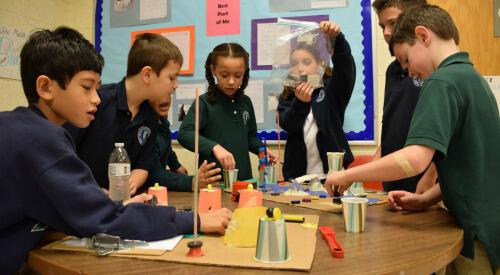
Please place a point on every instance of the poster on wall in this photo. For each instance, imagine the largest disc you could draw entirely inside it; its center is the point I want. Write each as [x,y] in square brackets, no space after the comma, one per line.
[223,17]
[11,42]
[125,13]
[494,82]
[300,5]
[183,38]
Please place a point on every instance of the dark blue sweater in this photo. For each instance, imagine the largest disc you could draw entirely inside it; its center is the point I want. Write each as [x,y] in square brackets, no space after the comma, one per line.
[45,183]
[400,99]
[328,106]
[165,156]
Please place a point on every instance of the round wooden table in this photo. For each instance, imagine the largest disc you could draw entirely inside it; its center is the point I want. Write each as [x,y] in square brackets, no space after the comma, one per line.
[393,242]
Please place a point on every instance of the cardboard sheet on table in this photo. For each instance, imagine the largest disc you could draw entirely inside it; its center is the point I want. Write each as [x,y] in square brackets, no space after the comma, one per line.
[301,244]
[324,204]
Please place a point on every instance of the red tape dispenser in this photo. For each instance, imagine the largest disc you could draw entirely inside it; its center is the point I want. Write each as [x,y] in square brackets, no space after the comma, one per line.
[329,235]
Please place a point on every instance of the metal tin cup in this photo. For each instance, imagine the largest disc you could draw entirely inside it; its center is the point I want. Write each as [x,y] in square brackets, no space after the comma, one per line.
[335,161]
[230,176]
[272,245]
[270,174]
[354,210]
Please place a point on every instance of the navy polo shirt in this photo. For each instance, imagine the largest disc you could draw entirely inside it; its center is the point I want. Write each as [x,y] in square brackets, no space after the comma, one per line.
[401,97]
[113,124]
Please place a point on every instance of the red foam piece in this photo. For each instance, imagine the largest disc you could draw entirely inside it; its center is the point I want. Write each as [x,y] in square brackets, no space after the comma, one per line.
[329,235]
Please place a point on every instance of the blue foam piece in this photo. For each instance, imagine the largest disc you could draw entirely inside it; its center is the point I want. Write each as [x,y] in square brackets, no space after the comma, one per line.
[276,187]
[318,193]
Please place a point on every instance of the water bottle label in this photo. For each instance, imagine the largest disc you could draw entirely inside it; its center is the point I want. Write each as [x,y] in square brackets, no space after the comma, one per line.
[119,169]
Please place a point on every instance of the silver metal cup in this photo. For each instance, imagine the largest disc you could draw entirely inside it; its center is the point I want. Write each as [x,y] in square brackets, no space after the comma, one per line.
[354,210]
[272,245]
[230,176]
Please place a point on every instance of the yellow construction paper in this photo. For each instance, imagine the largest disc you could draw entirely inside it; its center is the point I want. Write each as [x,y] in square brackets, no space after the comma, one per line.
[243,229]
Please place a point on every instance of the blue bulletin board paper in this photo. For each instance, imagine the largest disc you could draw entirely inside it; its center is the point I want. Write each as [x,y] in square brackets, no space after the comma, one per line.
[355,21]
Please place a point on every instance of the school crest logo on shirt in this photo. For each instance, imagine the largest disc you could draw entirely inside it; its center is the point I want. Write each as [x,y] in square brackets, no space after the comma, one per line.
[143,134]
[39,227]
[417,82]
[246,117]
[321,96]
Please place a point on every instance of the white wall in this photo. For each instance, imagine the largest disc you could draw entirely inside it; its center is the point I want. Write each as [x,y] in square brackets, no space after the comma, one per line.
[29,15]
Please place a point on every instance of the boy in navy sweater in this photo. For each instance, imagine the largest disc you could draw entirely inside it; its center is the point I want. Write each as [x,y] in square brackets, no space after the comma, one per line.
[125,114]
[44,183]
[400,99]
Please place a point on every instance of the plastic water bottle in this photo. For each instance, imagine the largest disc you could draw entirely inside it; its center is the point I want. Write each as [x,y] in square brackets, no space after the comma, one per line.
[119,173]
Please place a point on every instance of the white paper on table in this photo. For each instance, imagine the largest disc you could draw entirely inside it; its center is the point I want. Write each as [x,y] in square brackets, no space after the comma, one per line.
[188,91]
[168,244]
[255,90]
[326,4]
[494,82]
[152,9]
[182,39]
[267,36]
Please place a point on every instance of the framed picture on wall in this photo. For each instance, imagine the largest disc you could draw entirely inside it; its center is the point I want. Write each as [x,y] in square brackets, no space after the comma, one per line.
[182,37]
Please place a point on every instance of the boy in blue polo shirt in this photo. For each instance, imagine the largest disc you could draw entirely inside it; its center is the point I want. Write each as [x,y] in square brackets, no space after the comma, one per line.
[455,124]
[125,114]
[44,183]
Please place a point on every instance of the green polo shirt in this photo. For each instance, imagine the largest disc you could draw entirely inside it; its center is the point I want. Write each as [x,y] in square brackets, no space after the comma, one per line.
[458,116]
[228,122]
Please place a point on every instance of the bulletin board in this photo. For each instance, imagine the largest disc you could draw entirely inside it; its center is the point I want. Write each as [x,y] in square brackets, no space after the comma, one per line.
[220,21]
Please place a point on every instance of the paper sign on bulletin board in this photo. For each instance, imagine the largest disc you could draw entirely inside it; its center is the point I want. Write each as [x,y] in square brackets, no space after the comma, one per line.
[124,13]
[182,37]
[223,17]
[494,82]
[297,5]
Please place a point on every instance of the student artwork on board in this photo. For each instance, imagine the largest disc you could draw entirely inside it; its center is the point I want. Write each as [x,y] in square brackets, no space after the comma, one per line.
[11,41]
[259,36]
[122,5]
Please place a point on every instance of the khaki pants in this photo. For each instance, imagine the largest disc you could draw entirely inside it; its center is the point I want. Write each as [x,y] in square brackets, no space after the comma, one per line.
[464,266]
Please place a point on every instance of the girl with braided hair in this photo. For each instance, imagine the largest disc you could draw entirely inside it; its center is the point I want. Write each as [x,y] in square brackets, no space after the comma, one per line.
[228,129]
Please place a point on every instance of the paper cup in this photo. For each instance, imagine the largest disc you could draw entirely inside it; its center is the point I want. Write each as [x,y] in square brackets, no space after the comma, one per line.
[270,174]
[335,161]
[354,210]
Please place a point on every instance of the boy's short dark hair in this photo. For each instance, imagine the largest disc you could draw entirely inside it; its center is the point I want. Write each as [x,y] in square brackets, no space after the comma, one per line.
[58,54]
[151,49]
[380,5]
[430,16]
